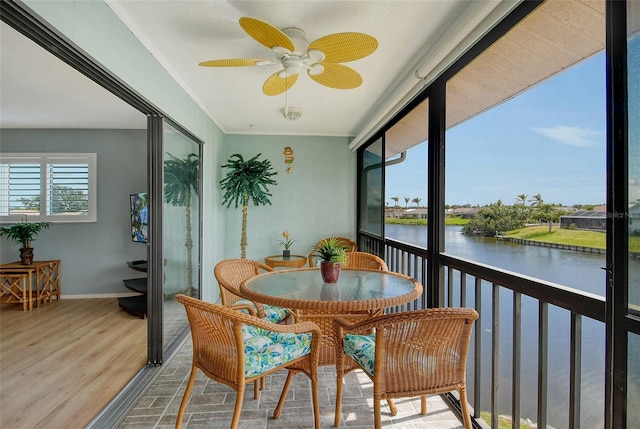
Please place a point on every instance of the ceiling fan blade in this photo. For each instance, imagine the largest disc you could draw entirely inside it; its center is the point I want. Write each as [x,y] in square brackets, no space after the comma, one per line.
[275,84]
[232,62]
[337,76]
[344,47]
[266,34]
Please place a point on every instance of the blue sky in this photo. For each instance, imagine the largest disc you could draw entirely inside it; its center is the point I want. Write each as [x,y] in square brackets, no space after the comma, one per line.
[550,140]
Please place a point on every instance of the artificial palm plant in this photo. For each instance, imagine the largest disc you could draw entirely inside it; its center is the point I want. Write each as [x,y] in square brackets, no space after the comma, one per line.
[180,183]
[247,181]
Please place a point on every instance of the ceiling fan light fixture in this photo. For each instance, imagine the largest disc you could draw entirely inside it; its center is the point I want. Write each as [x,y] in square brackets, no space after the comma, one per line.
[289,70]
[291,113]
[299,39]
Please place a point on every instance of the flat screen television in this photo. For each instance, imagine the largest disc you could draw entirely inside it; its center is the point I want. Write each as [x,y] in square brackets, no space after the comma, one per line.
[139,217]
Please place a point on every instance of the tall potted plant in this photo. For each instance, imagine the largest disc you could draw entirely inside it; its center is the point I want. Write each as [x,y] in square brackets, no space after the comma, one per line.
[246,181]
[332,255]
[24,233]
[180,183]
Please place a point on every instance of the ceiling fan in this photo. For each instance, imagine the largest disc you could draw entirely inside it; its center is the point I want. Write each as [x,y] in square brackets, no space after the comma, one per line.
[321,59]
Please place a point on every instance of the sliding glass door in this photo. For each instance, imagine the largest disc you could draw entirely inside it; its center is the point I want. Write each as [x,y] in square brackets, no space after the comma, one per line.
[180,228]
[175,225]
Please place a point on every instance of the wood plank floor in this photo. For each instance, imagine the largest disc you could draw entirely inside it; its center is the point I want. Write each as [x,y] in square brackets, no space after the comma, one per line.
[62,363]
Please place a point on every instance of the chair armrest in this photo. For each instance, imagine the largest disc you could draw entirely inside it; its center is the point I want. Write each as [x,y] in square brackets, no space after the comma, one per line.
[364,326]
[294,328]
[249,308]
[260,309]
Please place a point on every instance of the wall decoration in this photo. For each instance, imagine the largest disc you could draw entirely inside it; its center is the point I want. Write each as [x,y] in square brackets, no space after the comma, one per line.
[288,158]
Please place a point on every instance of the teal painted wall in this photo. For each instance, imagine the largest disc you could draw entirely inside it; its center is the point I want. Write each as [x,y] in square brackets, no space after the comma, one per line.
[315,200]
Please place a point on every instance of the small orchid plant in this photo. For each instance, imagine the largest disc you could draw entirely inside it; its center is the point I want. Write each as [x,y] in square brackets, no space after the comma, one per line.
[287,242]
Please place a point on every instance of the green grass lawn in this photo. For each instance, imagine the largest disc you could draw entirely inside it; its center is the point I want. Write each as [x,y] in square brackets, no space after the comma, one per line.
[569,236]
[561,236]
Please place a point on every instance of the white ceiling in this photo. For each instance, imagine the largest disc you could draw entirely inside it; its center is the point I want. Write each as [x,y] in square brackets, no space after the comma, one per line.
[37,90]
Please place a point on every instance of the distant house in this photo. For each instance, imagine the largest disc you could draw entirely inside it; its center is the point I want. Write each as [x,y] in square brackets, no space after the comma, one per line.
[415,214]
[463,212]
[585,219]
[393,212]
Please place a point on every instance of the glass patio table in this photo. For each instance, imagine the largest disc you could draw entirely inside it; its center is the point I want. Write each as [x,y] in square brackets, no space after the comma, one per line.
[358,294]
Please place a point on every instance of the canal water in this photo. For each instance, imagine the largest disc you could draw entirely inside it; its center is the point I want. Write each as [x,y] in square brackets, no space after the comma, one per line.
[578,270]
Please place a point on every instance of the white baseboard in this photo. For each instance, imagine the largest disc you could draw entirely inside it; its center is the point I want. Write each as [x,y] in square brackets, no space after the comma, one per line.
[99,295]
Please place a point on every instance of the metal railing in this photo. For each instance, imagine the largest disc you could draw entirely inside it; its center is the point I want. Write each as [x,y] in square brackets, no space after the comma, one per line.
[503,298]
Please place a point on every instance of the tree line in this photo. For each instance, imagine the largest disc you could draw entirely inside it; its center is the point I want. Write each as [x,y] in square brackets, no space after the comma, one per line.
[497,218]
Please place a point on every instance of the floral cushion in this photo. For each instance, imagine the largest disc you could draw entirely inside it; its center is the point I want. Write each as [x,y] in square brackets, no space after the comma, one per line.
[271,313]
[362,348]
[265,350]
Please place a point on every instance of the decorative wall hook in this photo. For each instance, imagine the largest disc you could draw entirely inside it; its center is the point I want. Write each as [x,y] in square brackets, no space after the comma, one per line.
[288,158]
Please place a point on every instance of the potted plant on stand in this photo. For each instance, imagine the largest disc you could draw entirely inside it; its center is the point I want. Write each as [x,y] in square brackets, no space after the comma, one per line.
[24,233]
[332,256]
[286,244]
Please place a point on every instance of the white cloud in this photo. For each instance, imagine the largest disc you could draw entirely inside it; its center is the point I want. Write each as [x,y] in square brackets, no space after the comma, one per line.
[573,136]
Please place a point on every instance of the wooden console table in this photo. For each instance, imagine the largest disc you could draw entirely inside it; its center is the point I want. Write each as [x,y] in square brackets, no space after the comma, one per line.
[40,282]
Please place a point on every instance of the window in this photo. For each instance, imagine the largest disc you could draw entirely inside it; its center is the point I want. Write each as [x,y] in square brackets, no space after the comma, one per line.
[54,187]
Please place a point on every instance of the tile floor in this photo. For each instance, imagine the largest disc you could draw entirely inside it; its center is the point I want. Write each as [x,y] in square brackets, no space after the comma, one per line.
[211,404]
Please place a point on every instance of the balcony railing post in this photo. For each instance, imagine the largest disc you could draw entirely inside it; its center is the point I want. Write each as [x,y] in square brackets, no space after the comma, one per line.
[517,359]
[495,353]
[477,353]
[575,371]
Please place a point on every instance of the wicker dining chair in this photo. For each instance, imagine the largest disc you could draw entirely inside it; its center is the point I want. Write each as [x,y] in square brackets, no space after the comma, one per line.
[365,260]
[349,244]
[230,273]
[234,348]
[412,353]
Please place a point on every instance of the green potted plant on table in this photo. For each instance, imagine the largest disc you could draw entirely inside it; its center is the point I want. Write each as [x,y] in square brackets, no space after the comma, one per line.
[24,233]
[332,255]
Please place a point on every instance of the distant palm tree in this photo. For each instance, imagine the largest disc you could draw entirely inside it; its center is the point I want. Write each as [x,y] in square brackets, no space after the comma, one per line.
[406,202]
[521,199]
[395,199]
[417,201]
[536,201]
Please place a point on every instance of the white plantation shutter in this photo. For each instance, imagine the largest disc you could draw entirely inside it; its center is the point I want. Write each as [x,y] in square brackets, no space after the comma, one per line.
[48,187]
